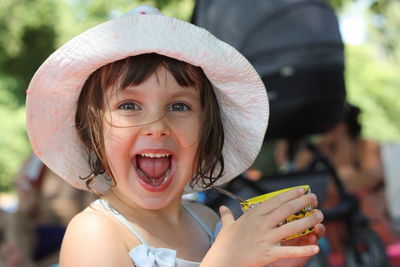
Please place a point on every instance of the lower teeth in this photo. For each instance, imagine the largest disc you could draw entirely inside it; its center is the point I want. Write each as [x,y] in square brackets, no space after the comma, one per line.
[153,181]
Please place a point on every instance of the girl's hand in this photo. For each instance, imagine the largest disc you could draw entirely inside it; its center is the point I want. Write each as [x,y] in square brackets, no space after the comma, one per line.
[254,239]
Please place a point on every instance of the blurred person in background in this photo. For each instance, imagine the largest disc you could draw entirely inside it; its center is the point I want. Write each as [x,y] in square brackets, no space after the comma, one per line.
[359,165]
[32,235]
[356,159]
[357,162]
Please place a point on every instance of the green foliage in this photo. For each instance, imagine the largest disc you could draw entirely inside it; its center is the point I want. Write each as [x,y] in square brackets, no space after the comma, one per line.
[373,73]
[27,37]
[14,147]
[373,85]
[28,31]
[377,6]
[79,15]
[385,29]
[338,4]
[381,6]
[182,9]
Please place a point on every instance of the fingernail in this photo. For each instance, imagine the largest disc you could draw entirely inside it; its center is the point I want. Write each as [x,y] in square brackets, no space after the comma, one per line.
[300,190]
[319,215]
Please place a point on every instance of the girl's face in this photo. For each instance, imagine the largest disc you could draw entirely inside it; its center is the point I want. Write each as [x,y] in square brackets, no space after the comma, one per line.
[151,134]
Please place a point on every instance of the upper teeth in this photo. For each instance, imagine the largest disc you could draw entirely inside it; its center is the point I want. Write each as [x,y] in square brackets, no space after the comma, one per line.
[154,155]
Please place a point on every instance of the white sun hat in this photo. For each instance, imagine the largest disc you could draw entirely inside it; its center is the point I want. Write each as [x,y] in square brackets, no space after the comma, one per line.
[54,90]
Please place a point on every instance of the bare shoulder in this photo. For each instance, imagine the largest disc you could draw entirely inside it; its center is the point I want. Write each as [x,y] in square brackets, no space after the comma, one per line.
[205,213]
[93,238]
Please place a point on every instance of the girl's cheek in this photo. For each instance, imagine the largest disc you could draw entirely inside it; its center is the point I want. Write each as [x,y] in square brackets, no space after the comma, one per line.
[117,144]
[188,132]
[189,139]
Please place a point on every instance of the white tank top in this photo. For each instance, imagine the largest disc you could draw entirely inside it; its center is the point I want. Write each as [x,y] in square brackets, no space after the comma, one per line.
[144,255]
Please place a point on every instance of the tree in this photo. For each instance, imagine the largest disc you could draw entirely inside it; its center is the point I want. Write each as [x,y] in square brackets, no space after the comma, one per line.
[14,147]
[373,84]
[385,28]
[27,36]
[372,73]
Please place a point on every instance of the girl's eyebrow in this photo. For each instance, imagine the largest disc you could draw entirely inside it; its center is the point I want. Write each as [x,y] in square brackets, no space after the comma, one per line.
[187,93]
[127,89]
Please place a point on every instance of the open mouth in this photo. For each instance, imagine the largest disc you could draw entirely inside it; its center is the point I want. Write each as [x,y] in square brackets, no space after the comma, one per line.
[154,170]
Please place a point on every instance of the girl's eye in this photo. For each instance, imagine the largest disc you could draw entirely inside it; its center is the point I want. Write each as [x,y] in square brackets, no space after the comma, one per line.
[178,107]
[129,106]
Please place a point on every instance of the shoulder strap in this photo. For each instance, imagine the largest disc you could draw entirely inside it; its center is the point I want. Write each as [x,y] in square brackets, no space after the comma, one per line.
[121,218]
[202,224]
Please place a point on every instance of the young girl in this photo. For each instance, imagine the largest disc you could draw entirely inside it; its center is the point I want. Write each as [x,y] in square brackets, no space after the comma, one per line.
[140,110]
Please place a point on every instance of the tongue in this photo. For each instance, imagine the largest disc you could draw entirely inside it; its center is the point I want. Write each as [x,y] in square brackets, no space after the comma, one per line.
[154,167]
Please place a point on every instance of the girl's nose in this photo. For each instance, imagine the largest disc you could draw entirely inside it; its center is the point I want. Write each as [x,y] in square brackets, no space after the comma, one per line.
[157,129]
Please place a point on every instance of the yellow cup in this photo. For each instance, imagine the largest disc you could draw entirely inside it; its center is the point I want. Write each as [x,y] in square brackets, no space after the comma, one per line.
[253,202]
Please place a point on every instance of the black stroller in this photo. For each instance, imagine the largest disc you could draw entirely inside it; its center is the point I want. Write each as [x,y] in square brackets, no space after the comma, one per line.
[296,47]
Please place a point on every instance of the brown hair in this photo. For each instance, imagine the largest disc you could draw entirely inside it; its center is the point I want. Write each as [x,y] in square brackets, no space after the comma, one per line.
[89,113]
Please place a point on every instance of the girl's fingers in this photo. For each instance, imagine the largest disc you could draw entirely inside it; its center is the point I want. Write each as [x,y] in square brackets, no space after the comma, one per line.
[289,208]
[226,216]
[281,252]
[278,200]
[299,225]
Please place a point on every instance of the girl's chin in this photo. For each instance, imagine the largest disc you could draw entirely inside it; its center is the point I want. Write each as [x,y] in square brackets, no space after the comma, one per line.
[153,203]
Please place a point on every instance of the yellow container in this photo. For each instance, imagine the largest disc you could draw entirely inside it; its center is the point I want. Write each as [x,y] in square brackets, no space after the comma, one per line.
[253,202]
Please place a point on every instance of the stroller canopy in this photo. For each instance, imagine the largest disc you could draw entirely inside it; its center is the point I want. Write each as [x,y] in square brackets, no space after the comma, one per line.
[296,47]
[273,34]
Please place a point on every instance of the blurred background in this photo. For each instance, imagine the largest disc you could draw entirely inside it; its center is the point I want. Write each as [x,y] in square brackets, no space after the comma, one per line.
[30,30]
